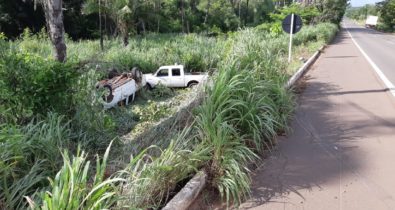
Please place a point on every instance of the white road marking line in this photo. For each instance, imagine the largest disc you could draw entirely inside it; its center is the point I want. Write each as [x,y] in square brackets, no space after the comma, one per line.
[378,71]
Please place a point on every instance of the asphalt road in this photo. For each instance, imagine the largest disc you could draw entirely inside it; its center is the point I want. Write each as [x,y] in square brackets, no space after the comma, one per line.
[380,47]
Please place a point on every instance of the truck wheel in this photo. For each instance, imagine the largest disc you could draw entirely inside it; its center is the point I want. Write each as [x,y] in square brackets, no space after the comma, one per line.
[148,86]
[137,75]
[192,84]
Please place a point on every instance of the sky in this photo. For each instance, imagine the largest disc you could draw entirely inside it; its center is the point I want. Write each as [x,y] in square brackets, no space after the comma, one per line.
[358,3]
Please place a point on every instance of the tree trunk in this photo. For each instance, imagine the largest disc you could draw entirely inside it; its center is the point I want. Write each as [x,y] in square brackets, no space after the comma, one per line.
[247,11]
[240,14]
[182,16]
[54,18]
[105,19]
[158,5]
[125,35]
[207,13]
[143,25]
[100,28]
[125,39]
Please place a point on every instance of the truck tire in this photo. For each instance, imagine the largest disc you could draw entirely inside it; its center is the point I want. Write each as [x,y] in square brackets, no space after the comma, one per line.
[148,86]
[137,74]
[192,84]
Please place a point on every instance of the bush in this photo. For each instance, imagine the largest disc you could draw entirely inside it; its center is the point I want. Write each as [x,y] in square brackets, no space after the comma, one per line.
[33,85]
[307,13]
[321,32]
[384,27]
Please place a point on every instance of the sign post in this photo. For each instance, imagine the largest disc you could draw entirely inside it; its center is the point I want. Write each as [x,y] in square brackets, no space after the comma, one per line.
[292,25]
[291,38]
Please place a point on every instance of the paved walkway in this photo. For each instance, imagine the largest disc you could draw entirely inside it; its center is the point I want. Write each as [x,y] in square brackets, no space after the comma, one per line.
[341,154]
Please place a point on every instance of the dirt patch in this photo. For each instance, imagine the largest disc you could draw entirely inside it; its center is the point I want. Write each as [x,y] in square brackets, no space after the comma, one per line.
[209,199]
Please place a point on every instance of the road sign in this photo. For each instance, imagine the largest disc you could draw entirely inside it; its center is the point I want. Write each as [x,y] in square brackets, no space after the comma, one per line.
[297,24]
[292,25]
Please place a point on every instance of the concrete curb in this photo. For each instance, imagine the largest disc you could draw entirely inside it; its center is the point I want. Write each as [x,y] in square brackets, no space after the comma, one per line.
[188,193]
[302,70]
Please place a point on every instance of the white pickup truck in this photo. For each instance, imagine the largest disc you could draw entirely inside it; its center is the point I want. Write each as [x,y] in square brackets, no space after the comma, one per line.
[174,76]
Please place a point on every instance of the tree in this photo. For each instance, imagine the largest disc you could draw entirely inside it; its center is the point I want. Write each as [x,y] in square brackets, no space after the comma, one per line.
[219,14]
[54,18]
[387,14]
[360,13]
[331,10]
[16,15]
[120,11]
[307,13]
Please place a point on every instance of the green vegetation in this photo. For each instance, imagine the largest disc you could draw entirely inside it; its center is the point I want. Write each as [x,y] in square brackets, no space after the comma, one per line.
[50,110]
[387,14]
[138,17]
[384,9]
[29,154]
[72,189]
[361,13]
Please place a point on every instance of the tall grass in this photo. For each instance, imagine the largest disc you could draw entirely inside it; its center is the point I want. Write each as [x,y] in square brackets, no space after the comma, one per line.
[237,121]
[73,188]
[28,155]
[154,173]
[197,53]
[247,106]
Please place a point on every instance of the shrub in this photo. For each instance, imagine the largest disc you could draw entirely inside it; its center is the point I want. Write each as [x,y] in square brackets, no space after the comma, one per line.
[307,13]
[33,85]
[92,125]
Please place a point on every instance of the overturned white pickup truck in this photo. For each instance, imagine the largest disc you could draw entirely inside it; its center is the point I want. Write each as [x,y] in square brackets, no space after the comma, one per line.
[174,76]
[121,87]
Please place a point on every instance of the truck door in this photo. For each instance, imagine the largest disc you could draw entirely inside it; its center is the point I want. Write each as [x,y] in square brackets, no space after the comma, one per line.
[163,76]
[177,80]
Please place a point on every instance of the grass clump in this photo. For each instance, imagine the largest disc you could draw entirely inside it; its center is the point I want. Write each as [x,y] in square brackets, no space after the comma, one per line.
[72,188]
[153,174]
[29,154]
[238,121]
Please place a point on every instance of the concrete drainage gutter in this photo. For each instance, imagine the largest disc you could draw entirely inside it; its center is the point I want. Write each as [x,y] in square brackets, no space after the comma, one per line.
[189,193]
[192,189]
